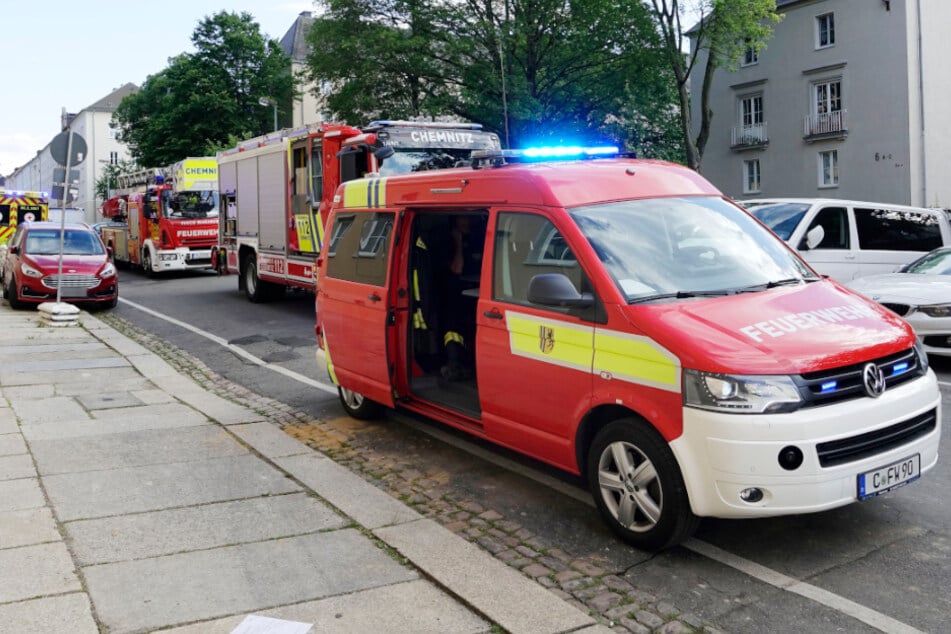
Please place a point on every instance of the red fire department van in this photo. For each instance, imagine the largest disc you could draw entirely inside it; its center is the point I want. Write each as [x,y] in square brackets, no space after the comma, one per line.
[624,321]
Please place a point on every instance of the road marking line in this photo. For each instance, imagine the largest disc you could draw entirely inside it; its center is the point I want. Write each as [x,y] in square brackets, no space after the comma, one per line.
[769,576]
[244,354]
[777,579]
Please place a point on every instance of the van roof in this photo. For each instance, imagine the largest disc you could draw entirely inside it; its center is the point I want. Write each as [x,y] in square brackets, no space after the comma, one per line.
[559,184]
[830,201]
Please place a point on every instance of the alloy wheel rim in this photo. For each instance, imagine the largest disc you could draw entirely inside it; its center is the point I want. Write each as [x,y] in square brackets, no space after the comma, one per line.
[630,487]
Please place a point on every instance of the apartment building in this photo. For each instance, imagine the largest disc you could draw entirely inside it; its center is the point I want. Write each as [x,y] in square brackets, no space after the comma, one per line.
[306,107]
[850,99]
[102,148]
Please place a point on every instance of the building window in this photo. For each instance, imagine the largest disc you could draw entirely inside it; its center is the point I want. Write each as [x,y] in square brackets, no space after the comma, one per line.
[750,57]
[828,96]
[751,176]
[751,111]
[825,30]
[829,168]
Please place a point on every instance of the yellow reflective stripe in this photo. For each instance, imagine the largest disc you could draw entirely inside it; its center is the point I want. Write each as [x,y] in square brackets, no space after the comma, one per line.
[367,193]
[453,337]
[330,363]
[421,244]
[611,354]
[635,359]
[419,323]
[416,285]
[556,342]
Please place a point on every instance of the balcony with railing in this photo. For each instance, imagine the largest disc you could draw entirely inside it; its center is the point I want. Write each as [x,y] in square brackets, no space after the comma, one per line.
[829,125]
[749,137]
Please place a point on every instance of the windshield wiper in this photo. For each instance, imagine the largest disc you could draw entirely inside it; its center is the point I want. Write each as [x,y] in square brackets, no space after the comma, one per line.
[681,295]
[789,281]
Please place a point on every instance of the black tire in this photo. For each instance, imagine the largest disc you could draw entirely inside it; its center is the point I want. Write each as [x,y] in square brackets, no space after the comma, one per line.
[637,486]
[147,263]
[255,288]
[10,292]
[358,406]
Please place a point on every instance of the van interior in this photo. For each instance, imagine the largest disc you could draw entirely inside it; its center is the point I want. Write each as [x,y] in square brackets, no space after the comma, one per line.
[443,302]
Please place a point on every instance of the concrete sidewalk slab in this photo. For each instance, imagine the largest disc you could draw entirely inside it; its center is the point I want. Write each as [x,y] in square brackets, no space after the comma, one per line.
[48,410]
[65,613]
[111,425]
[16,466]
[65,364]
[91,379]
[133,449]
[495,589]
[8,419]
[159,533]
[12,444]
[16,495]
[211,405]
[27,527]
[94,494]
[39,570]
[182,588]
[350,493]
[413,607]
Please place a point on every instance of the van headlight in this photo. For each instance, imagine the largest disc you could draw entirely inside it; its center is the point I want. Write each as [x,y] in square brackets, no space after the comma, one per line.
[739,394]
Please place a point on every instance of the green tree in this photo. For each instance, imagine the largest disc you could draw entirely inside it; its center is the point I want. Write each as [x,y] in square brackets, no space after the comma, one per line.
[531,70]
[201,98]
[107,180]
[723,31]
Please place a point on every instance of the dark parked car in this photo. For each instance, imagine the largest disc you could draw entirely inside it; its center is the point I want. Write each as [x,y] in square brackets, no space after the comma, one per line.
[31,266]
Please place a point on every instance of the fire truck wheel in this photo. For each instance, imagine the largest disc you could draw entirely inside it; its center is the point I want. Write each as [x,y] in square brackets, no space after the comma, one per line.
[638,487]
[253,287]
[147,263]
[358,406]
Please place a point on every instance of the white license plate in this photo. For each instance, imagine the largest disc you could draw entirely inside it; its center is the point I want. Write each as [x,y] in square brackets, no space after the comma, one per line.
[872,483]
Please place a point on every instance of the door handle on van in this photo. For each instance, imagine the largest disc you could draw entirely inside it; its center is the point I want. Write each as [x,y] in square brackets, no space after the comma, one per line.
[493,314]
[374,297]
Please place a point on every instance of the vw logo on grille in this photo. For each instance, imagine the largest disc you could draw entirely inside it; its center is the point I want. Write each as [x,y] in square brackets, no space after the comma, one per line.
[874,380]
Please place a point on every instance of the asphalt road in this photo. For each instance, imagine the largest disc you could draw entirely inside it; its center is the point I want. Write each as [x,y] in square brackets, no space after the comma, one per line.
[882,565]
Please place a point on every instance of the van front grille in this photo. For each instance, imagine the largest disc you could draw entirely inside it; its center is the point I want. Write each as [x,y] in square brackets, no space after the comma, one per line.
[842,451]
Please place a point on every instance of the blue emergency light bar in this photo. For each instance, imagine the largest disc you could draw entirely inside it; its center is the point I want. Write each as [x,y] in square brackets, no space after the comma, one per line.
[497,158]
[565,151]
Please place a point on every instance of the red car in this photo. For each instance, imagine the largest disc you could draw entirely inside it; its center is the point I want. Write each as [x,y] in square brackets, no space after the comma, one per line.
[31,266]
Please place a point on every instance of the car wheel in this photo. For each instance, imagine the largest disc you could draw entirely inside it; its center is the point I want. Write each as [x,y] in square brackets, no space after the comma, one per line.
[638,487]
[358,406]
[10,292]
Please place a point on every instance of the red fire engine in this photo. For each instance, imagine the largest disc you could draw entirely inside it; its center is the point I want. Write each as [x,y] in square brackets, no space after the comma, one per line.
[171,222]
[277,190]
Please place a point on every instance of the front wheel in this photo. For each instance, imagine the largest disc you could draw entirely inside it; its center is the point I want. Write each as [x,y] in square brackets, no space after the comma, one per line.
[358,406]
[638,487]
[11,294]
[147,263]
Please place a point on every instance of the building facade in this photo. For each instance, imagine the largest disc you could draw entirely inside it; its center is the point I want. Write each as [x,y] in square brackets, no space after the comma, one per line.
[92,123]
[848,100]
[306,106]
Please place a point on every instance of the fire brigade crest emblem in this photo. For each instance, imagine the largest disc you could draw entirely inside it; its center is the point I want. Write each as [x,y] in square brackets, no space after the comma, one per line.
[546,339]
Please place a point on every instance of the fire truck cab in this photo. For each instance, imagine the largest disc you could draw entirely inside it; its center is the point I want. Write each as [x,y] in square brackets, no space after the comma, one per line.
[621,320]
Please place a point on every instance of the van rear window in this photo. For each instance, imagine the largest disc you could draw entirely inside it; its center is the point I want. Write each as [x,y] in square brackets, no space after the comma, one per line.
[897,230]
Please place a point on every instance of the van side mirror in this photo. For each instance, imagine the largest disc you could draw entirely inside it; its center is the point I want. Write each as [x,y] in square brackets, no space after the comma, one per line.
[14,250]
[555,289]
[814,237]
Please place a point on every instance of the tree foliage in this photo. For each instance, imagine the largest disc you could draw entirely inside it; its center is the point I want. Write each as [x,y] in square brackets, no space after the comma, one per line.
[191,107]
[723,31]
[531,70]
[108,178]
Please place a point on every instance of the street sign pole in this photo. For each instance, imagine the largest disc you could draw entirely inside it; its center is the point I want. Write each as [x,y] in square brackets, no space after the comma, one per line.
[62,216]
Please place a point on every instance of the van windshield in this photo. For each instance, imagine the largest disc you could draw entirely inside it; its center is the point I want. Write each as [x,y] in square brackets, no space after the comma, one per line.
[686,247]
[782,218]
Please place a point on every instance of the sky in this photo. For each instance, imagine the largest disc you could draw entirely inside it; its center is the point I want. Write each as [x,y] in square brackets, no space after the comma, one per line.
[59,54]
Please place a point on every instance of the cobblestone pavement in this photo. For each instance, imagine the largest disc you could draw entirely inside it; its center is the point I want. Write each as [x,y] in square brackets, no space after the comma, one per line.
[604,594]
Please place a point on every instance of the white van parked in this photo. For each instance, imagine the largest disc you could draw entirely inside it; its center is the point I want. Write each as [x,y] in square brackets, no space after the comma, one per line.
[846,239]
